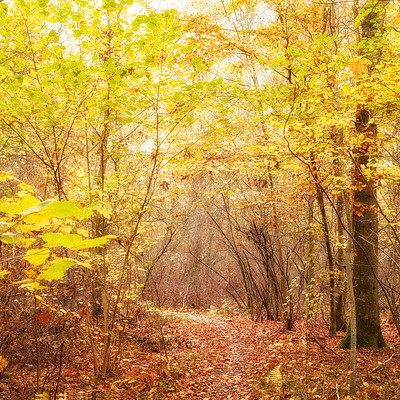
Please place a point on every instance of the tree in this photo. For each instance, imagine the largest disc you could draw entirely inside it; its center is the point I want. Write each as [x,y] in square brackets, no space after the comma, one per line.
[365,207]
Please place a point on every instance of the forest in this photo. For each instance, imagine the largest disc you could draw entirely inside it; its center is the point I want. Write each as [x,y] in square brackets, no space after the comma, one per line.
[199,200]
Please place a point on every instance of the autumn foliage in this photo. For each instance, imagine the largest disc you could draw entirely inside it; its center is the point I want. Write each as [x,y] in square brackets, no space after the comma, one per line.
[195,201]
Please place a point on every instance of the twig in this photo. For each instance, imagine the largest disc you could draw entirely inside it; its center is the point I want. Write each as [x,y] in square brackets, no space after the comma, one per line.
[318,343]
[381,364]
[59,370]
[221,276]
[337,391]
[326,347]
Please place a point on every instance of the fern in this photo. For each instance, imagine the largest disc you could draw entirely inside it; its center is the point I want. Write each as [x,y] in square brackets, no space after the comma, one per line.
[275,376]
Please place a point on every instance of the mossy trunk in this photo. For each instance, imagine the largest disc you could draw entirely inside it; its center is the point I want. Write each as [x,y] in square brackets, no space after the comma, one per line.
[365,217]
[365,276]
[365,223]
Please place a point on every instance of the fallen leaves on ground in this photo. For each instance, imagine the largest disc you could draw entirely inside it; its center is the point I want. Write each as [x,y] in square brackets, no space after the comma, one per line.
[211,356]
[236,358]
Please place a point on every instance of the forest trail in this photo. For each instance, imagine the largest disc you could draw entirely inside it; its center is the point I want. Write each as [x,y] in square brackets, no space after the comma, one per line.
[227,355]
[232,357]
[213,356]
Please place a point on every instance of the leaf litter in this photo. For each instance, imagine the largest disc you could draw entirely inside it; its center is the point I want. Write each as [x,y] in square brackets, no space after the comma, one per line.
[211,356]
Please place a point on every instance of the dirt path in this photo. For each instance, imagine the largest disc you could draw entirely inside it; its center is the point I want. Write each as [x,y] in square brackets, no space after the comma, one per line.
[225,356]
[233,358]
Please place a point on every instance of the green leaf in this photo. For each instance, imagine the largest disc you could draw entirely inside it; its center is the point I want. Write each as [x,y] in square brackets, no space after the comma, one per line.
[87,244]
[43,3]
[37,256]
[9,239]
[73,241]
[57,239]
[24,204]
[367,11]
[77,33]
[65,209]
[53,35]
[32,285]
[36,208]
[3,8]
[57,270]
[196,61]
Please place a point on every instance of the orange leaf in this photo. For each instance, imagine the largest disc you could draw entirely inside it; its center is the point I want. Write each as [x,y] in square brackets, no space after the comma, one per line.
[43,318]
[358,66]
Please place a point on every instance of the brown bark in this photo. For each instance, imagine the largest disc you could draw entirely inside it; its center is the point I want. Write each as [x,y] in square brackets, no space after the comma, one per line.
[325,227]
[365,218]
[365,222]
[340,298]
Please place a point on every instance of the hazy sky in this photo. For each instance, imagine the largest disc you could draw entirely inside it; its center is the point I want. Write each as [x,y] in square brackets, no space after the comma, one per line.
[164,4]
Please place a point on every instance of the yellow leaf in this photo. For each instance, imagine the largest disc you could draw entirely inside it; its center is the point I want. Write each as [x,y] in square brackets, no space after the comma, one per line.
[27,242]
[32,272]
[3,363]
[5,176]
[37,256]
[358,66]
[82,232]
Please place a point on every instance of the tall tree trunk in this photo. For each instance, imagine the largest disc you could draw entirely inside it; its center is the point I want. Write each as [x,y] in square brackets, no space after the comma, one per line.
[352,327]
[340,299]
[287,313]
[365,222]
[340,264]
[365,218]
[325,227]
[101,295]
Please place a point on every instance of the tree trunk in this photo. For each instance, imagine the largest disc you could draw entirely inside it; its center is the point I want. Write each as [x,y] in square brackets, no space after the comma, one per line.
[339,270]
[352,331]
[340,299]
[365,222]
[365,218]
[325,227]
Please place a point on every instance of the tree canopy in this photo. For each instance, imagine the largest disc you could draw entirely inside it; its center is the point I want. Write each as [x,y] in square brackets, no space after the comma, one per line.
[235,152]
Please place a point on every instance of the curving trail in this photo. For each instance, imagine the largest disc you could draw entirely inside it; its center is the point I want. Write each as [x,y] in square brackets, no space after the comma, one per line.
[226,356]
[222,358]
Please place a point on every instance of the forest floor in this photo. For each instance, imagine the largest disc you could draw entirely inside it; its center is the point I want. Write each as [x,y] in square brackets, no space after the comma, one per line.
[214,356]
[233,357]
